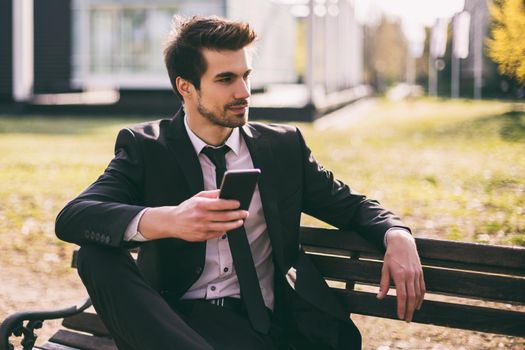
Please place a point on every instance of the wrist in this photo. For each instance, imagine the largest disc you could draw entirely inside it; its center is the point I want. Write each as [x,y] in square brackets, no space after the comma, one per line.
[155,223]
[395,235]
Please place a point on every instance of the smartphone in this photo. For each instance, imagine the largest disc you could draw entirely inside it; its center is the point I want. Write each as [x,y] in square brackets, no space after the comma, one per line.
[239,185]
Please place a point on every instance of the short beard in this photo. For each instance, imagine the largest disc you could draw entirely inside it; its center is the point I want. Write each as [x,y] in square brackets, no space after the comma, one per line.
[223,119]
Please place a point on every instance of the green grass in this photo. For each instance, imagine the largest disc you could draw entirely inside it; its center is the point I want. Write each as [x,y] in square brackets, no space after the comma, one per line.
[44,162]
[454,170]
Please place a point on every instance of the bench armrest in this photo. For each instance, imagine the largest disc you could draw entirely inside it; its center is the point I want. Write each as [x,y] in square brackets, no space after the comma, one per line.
[14,324]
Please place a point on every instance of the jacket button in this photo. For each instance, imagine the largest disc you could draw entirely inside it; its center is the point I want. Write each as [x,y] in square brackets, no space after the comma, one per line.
[198,270]
[107,240]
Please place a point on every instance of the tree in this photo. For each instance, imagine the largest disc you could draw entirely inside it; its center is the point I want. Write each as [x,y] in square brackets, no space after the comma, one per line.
[507,45]
[385,52]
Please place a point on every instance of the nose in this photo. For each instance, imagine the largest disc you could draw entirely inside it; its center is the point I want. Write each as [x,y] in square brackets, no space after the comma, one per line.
[242,90]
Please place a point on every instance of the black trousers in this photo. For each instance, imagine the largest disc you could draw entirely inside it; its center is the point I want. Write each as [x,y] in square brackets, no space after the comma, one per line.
[139,318]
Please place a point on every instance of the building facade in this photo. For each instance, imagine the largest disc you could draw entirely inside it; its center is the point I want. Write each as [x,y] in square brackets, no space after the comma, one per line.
[58,47]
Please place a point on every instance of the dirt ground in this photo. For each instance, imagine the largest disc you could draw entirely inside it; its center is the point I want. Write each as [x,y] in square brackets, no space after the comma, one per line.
[22,289]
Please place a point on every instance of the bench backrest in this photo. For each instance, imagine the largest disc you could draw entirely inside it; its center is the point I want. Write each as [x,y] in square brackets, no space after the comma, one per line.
[473,272]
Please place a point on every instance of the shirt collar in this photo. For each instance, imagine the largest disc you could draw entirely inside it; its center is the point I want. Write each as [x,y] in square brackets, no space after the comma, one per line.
[233,141]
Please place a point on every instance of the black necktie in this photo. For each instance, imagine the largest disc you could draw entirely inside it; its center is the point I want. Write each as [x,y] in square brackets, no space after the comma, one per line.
[242,255]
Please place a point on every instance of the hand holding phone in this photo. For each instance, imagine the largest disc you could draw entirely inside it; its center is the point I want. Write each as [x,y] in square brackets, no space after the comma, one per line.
[239,185]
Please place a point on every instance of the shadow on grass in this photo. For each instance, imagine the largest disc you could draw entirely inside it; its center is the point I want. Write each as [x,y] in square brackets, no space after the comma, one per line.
[67,125]
[513,128]
[510,126]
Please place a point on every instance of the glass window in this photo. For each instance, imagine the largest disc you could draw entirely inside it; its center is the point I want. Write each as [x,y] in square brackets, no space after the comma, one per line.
[120,42]
[128,39]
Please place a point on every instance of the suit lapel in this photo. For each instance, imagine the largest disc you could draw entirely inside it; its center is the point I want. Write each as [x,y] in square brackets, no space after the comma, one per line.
[182,149]
[262,155]
[193,254]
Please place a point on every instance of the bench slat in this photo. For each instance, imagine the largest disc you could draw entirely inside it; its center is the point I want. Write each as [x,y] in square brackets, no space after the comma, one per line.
[86,322]
[439,313]
[478,285]
[508,258]
[424,261]
[478,256]
[54,346]
[82,341]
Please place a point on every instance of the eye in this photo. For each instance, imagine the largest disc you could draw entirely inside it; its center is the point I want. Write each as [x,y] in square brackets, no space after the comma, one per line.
[224,80]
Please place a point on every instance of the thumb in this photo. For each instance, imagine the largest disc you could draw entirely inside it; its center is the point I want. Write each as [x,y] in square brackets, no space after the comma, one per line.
[208,194]
[384,285]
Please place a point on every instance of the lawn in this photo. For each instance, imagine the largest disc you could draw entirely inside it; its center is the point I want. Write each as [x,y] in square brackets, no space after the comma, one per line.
[454,170]
[451,169]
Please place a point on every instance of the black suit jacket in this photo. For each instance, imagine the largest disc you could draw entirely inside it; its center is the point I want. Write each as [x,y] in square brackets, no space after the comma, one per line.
[155,165]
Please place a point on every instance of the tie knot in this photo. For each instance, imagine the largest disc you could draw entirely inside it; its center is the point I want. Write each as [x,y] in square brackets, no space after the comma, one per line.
[217,155]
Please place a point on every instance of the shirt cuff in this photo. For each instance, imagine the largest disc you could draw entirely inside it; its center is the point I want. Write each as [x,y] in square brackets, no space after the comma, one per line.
[132,231]
[396,228]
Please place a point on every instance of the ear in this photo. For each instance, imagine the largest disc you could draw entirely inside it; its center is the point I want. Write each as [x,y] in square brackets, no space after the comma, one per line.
[184,87]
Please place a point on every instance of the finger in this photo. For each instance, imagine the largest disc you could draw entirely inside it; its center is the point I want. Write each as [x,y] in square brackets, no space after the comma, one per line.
[384,284]
[221,204]
[411,301]
[224,226]
[401,300]
[417,290]
[423,288]
[227,215]
[208,194]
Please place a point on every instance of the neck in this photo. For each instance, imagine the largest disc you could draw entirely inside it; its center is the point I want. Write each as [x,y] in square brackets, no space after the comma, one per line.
[212,134]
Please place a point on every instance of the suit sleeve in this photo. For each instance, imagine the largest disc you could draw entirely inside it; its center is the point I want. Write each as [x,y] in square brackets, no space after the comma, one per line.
[332,201]
[103,211]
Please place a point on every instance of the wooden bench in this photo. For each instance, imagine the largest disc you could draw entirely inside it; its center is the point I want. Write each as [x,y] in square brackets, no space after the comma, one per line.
[475,273]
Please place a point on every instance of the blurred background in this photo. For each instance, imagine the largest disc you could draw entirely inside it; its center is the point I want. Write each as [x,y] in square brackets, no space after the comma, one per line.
[93,56]
[418,104]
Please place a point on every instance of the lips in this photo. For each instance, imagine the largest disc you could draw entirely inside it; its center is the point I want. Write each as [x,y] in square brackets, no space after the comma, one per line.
[238,108]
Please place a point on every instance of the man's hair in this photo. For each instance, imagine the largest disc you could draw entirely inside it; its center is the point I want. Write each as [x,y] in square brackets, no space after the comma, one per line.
[183,51]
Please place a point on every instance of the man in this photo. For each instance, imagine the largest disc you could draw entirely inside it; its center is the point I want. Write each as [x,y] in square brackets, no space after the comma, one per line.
[193,288]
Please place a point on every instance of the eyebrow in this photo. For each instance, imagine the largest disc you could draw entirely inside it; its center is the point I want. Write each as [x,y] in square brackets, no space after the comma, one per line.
[230,74]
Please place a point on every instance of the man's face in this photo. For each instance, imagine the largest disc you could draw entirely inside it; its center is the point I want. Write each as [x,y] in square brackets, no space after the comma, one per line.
[224,92]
